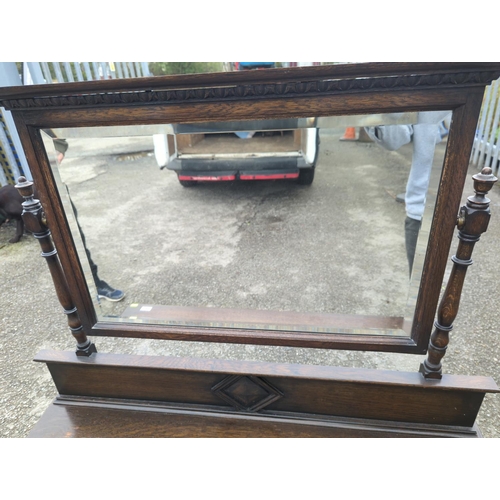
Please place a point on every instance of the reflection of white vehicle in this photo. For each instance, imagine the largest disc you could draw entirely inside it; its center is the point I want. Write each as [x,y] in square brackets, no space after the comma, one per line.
[255,150]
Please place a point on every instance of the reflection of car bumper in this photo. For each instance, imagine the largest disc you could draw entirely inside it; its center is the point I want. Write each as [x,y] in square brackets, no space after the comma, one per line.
[244,176]
[267,175]
[207,177]
[240,168]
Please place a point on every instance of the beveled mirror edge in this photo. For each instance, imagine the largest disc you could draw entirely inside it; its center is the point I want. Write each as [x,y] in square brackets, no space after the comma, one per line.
[466,100]
[94,327]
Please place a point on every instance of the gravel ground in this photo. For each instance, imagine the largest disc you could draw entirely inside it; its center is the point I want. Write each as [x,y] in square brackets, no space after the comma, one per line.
[31,317]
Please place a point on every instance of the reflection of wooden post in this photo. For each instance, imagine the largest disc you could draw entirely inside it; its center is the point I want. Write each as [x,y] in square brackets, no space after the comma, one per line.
[472,222]
[33,218]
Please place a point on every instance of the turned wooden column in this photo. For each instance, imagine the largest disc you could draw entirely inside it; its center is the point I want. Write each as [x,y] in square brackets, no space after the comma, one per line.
[34,220]
[472,222]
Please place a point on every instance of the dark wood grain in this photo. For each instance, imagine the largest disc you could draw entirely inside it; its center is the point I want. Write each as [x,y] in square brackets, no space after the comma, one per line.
[260,318]
[341,89]
[308,390]
[112,395]
[118,421]
[34,221]
[267,369]
[296,92]
[456,164]
[104,395]
[256,108]
[409,74]
[472,223]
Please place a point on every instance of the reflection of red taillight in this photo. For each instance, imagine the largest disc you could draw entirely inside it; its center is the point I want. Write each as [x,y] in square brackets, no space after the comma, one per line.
[208,178]
[264,177]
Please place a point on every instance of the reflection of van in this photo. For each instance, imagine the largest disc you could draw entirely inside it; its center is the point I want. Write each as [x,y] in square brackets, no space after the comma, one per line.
[250,150]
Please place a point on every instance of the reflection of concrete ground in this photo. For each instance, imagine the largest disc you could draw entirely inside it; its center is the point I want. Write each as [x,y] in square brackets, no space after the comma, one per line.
[220,266]
[337,246]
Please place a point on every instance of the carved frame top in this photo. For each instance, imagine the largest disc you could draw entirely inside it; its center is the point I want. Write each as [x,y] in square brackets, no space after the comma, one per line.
[270,84]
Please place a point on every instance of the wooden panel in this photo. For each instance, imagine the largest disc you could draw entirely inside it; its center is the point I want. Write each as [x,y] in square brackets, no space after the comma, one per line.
[298,139]
[265,369]
[171,144]
[186,141]
[111,421]
[259,108]
[356,393]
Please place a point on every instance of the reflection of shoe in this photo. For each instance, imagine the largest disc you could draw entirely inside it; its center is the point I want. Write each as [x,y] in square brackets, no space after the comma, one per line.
[109,293]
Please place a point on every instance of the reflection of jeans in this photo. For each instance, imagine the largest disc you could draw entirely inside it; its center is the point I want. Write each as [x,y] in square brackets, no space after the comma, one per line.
[425,134]
[425,137]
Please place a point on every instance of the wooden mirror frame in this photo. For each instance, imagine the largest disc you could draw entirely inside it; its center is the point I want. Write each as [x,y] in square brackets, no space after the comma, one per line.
[350,89]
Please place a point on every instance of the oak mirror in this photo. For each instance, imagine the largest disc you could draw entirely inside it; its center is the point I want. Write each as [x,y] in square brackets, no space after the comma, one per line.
[261,247]
[255,218]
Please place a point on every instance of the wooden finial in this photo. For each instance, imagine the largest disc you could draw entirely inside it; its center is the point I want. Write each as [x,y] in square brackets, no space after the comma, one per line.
[472,223]
[34,220]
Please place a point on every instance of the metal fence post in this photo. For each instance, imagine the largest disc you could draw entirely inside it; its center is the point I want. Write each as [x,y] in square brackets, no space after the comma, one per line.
[17,164]
[88,73]
[58,72]
[487,143]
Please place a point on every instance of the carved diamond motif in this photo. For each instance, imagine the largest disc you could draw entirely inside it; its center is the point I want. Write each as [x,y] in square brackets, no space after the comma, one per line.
[247,393]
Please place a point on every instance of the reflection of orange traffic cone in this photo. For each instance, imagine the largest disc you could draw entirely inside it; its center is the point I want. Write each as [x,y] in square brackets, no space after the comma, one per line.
[349,134]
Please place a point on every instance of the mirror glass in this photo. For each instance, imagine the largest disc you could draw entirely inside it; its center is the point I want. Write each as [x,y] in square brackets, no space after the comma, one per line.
[310,224]
[183,68]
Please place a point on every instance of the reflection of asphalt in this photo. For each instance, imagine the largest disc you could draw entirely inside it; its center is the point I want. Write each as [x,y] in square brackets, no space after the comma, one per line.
[262,245]
[32,319]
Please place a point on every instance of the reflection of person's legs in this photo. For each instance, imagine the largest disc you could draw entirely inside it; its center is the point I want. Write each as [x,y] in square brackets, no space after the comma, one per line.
[93,266]
[425,137]
[391,137]
[103,289]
